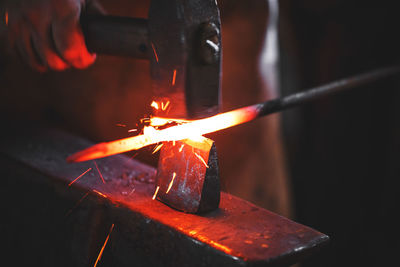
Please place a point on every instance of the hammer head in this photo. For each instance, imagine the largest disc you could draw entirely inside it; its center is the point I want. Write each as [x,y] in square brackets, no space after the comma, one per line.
[184,37]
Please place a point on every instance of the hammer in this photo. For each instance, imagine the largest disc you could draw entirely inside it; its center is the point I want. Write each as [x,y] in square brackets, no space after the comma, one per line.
[182,40]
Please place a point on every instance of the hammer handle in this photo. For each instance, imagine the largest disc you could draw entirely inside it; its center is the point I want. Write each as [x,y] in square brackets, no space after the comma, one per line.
[116,36]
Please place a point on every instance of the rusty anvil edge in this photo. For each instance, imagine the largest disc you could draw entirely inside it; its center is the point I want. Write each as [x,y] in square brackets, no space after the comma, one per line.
[146,232]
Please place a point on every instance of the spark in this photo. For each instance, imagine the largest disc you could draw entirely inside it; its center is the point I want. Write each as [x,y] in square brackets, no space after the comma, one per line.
[76,205]
[201,159]
[164,107]
[172,181]
[155,52]
[76,179]
[181,148]
[104,245]
[120,125]
[98,170]
[173,143]
[155,193]
[155,105]
[132,130]
[174,77]
[157,148]
[99,193]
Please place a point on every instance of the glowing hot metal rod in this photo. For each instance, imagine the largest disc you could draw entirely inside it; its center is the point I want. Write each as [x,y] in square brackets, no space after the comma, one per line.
[196,128]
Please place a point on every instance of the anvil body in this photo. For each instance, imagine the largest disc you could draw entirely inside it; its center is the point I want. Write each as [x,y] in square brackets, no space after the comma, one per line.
[53,224]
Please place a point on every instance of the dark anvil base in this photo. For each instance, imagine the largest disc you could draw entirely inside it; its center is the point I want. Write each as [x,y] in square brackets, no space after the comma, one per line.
[48,223]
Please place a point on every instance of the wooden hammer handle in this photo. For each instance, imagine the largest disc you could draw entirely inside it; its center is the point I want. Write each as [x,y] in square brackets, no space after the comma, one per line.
[117,36]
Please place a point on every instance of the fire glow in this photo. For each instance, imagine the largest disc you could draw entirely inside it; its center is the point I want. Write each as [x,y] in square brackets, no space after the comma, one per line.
[152,135]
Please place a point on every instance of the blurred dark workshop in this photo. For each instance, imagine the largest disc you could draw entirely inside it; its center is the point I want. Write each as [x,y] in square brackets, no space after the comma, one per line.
[200,133]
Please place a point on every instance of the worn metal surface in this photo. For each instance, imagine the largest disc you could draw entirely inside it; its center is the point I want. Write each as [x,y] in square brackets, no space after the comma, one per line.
[183,35]
[188,175]
[52,224]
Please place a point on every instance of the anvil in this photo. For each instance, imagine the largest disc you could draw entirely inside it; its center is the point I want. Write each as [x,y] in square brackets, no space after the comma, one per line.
[51,218]
[182,41]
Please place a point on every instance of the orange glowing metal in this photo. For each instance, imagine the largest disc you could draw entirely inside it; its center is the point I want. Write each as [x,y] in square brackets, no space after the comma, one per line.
[171,183]
[157,148]
[174,78]
[98,170]
[155,193]
[104,245]
[201,159]
[77,178]
[151,135]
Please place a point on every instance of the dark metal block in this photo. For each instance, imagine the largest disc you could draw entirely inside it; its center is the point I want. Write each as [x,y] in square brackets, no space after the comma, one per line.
[188,176]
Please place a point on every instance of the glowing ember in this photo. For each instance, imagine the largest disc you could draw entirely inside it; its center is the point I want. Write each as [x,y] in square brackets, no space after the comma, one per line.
[132,130]
[104,245]
[77,178]
[155,193]
[6,17]
[120,125]
[98,170]
[201,159]
[151,135]
[171,183]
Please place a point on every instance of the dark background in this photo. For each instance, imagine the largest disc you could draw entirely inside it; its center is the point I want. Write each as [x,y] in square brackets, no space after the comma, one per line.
[344,151]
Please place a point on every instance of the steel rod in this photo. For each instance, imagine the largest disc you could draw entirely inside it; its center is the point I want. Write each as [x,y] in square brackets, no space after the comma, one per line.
[280,104]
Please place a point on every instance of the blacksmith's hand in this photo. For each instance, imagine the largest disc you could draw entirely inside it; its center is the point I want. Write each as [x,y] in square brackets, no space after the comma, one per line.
[47,33]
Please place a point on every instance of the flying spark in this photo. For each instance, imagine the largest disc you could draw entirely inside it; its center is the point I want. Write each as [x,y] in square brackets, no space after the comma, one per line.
[77,178]
[155,193]
[157,148]
[104,245]
[181,148]
[201,159]
[174,78]
[76,205]
[155,52]
[120,125]
[154,105]
[98,170]
[172,181]
[164,107]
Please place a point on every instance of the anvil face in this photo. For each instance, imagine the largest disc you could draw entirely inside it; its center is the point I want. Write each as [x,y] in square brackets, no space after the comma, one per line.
[187,176]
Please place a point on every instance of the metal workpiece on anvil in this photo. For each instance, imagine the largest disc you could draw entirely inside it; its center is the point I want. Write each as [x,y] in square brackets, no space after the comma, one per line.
[188,175]
[53,224]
